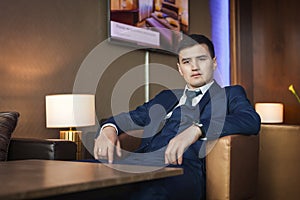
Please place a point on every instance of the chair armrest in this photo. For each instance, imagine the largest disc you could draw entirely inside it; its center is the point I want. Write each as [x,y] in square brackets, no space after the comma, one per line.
[48,149]
[232,167]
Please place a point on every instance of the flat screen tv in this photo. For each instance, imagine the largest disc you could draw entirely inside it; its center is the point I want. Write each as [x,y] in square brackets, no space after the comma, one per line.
[149,24]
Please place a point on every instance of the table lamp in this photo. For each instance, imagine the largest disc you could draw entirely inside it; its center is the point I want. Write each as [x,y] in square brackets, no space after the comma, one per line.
[70,111]
[270,112]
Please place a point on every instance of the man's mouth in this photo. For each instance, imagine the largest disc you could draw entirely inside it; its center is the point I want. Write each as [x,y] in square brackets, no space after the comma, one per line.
[196,75]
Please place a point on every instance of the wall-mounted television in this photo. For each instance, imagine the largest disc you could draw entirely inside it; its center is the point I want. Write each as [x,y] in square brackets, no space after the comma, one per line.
[150,24]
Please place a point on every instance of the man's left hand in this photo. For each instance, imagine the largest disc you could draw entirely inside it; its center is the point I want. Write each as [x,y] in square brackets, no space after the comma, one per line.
[177,145]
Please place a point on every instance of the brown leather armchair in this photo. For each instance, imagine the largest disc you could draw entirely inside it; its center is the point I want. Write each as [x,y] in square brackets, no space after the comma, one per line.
[231,165]
[279,162]
[232,168]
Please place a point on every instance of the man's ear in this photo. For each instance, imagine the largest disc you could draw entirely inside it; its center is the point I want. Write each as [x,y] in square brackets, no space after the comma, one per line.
[215,64]
[179,69]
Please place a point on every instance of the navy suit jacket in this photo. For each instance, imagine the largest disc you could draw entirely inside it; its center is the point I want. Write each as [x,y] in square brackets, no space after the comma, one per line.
[223,111]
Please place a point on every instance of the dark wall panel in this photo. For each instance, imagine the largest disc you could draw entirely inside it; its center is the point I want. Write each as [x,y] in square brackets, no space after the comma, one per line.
[276,47]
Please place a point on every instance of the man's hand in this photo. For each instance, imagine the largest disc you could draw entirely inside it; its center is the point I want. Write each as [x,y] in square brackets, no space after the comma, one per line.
[106,143]
[177,145]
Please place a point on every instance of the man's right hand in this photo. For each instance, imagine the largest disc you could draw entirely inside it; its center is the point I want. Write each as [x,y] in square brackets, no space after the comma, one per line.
[106,143]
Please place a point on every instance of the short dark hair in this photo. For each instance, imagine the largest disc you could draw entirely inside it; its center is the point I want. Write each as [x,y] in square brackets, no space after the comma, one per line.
[193,39]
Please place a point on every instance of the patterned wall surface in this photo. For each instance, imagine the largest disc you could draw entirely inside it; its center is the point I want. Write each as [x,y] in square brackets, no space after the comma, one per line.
[43,44]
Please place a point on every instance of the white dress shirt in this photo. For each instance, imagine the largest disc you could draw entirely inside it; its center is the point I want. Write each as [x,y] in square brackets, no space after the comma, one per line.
[195,100]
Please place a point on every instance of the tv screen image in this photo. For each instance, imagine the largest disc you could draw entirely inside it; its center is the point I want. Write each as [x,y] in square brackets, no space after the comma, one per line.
[153,24]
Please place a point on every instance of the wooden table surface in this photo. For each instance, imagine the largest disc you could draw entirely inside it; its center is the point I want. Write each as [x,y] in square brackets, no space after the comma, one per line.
[27,179]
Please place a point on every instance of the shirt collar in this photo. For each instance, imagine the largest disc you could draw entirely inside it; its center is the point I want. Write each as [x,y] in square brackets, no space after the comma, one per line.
[203,88]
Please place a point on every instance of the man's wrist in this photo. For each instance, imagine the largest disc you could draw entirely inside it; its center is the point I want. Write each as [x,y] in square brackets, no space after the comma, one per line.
[200,126]
[109,125]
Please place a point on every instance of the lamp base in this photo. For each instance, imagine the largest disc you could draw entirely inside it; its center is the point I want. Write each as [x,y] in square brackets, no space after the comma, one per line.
[74,136]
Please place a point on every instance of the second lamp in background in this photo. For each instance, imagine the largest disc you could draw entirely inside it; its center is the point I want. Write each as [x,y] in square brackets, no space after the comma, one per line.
[270,112]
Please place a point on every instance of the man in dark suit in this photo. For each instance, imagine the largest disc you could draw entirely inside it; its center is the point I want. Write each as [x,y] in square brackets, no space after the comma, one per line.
[177,123]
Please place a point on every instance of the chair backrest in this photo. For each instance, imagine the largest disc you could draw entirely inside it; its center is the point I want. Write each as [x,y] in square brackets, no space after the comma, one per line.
[232,167]
[279,162]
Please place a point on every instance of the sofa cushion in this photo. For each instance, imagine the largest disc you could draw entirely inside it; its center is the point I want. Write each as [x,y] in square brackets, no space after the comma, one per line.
[8,122]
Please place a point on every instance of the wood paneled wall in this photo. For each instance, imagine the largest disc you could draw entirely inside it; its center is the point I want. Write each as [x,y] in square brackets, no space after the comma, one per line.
[267,52]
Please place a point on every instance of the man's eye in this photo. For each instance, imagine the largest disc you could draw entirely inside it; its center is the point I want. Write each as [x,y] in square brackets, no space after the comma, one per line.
[202,58]
[186,62]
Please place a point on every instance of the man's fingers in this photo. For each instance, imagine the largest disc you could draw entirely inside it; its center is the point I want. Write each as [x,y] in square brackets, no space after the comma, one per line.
[174,153]
[170,155]
[173,158]
[100,150]
[103,153]
[110,154]
[96,149]
[106,144]
[118,148]
[96,153]
[179,160]
[179,156]
[167,161]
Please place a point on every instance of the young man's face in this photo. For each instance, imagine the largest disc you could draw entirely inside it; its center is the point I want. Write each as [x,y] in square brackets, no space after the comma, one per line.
[196,65]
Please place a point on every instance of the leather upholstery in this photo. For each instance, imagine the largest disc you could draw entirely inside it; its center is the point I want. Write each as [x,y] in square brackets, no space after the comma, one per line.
[279,162]
[232,167]
[51,149]
[8,122]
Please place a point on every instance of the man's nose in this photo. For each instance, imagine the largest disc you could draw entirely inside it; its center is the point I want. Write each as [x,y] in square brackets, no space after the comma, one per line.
[194,65]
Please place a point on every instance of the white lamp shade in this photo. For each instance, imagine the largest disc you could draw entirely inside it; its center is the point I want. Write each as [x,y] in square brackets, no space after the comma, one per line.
[270,112]
[70,110]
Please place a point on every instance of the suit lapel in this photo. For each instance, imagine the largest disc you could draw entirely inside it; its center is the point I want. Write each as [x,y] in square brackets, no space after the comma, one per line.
[212,91]
[174,100]
[168,102]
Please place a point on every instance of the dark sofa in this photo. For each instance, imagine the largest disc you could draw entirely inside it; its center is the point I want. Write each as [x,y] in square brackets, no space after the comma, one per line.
[46,149]
[30,148]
